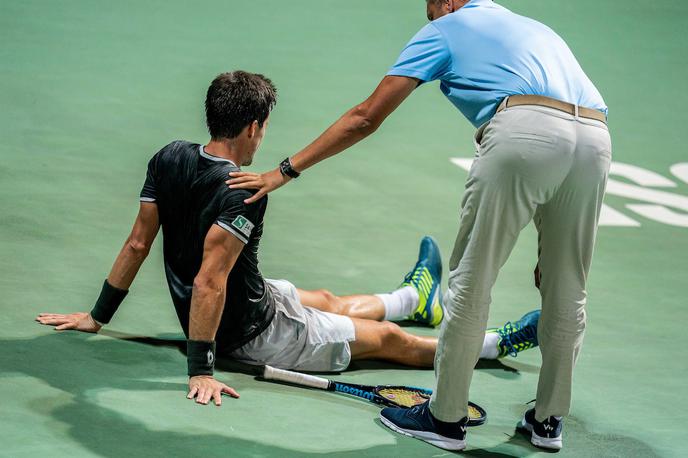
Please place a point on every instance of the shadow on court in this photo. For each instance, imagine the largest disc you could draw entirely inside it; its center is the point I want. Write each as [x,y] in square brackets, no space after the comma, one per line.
[78,364]
[496,367]
[578,437]
[506,369]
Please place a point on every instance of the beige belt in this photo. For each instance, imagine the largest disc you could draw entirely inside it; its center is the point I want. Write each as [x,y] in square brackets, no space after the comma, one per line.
[542,101]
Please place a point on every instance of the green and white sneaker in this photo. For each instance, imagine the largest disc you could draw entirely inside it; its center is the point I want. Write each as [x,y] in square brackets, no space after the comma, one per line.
[425,278]
[519,336]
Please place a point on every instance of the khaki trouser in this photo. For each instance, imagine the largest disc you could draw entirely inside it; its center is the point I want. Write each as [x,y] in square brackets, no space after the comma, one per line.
[531,163]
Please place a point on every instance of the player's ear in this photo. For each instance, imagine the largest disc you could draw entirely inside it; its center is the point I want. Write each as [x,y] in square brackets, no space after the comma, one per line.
[252,129]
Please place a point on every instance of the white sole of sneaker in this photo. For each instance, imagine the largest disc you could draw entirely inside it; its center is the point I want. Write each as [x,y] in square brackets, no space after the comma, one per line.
[553,443]
[431,438]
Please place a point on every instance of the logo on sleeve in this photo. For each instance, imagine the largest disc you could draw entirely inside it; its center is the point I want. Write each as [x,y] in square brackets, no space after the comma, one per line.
[243,225]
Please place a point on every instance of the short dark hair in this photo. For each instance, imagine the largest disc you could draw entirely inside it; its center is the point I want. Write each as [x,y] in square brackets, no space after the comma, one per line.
[236,99]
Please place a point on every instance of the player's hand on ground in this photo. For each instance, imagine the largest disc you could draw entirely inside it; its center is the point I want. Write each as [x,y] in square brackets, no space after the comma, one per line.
[83,322]
[263,182]
[204,388]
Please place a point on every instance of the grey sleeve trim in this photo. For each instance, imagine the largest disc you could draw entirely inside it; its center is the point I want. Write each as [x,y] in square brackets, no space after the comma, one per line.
[237,234]
[146,199]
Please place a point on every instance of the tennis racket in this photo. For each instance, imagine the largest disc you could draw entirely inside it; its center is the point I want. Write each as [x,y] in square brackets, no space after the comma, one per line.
[388,395]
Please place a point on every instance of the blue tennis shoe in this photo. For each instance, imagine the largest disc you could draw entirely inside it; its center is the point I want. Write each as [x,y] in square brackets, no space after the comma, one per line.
[518,336]
[418,422]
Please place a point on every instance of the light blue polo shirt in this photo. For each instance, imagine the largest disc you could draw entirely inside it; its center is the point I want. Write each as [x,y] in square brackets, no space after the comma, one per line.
[483,52]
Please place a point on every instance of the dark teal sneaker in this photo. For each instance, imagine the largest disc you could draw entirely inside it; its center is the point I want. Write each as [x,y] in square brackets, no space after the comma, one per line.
[418,422]
[425,278]
[518,336]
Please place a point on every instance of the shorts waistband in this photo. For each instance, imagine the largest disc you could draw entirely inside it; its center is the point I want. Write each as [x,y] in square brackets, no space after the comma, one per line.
[542,101]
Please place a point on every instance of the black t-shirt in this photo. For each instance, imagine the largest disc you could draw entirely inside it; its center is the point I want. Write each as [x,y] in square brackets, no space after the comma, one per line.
[188,186]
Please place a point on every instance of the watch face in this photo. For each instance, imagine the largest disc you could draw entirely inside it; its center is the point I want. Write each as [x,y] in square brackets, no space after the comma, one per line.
[286,169]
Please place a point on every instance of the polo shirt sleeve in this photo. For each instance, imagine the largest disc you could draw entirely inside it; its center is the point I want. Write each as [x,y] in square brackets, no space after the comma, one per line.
[426,57]
[148,193]
[238,218]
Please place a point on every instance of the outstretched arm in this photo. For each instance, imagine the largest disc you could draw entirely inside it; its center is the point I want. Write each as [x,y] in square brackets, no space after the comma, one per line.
[355,125]
[125,268]
[220,252]
[136,248]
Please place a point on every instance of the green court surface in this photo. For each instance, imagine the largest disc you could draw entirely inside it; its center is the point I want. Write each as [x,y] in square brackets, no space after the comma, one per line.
[89,90]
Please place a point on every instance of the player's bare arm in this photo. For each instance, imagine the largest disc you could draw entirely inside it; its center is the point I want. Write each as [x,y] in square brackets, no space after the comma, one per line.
[220,252]
[124,270]
[355,125]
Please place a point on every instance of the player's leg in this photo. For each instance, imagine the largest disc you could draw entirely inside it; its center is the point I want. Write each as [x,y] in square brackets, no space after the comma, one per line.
[507,340]
[567,227]
[309,339]
[394,306]
[417,299]
[362,306]
[305,338]
[387,341]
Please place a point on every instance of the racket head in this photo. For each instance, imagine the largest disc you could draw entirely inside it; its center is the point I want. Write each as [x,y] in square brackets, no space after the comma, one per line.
[401,396]
[476,414]
[409,396]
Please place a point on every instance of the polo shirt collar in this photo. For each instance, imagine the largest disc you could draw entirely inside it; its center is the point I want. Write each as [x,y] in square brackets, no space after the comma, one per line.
[214,158]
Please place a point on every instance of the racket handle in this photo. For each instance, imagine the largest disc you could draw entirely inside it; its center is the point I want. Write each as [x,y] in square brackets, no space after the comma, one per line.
[297,378]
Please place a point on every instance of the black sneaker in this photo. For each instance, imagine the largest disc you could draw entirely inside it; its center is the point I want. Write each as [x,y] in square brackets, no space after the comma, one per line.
[546,434]
[418,422]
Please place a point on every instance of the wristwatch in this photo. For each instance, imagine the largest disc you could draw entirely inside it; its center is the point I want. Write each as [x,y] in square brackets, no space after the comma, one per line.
[287,170]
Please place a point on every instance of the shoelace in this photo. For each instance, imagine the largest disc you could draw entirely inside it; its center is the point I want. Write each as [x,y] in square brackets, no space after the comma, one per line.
[414,274]
[417,410]
[512,337]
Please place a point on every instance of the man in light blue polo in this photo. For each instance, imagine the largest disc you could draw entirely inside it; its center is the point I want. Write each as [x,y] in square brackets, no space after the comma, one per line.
[543,153]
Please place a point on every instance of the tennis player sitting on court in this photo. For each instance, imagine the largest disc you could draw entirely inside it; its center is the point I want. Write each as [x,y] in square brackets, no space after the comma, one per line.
[210,244]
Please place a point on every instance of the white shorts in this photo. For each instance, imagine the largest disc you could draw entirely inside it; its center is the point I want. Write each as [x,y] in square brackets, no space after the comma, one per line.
[300,337]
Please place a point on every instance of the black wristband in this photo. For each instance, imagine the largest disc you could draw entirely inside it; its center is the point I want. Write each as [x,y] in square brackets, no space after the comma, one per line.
[108,302]
[200,357]
[286,169]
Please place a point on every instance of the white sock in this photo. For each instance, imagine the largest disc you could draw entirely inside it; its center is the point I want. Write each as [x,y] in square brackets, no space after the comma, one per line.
[400,303]
[490,350]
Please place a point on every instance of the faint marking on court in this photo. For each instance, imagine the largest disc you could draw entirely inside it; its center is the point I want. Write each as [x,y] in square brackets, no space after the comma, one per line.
[654,204]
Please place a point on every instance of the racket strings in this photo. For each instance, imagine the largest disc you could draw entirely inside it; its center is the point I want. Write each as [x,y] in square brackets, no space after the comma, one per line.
[409,398]
[402,397]
[473,412]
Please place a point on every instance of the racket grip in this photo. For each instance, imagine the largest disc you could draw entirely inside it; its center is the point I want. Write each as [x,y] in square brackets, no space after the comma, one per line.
[297,378]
